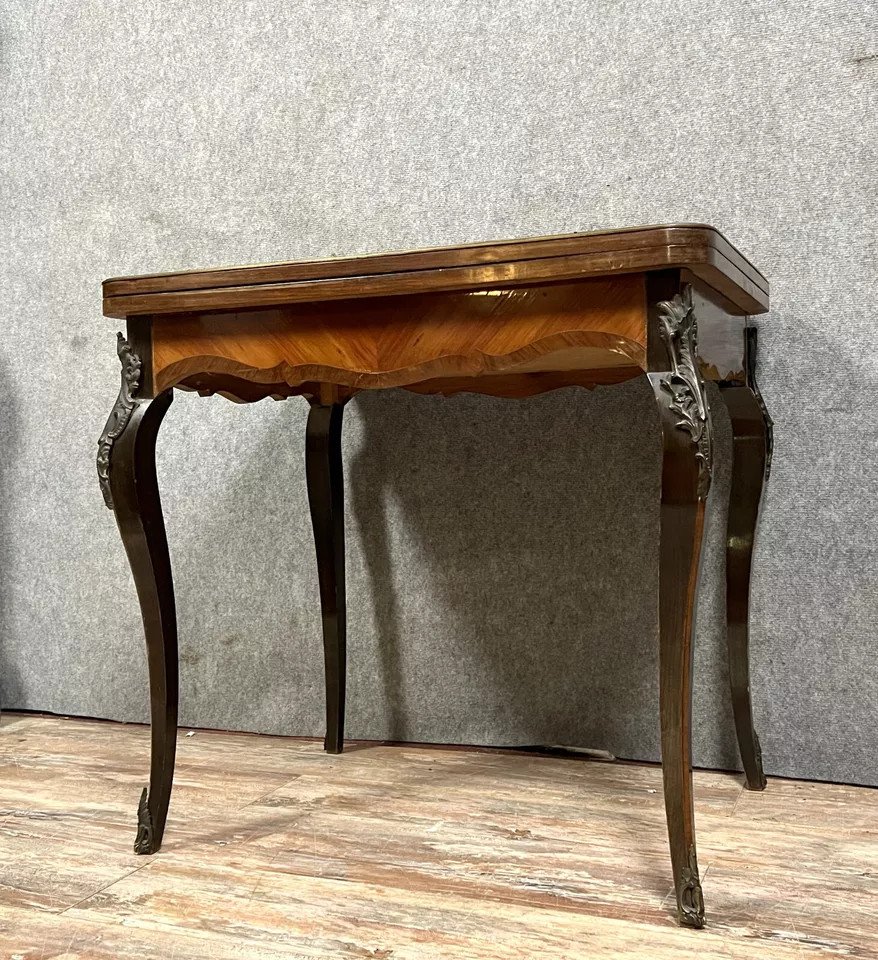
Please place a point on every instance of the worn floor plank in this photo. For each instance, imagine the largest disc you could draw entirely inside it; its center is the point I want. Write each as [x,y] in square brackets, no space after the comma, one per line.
[277,850]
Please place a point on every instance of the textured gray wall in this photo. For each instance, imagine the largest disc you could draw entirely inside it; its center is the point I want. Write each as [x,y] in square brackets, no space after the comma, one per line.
[502,584]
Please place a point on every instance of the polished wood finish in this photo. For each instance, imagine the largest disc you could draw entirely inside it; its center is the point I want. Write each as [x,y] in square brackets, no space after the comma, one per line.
[277,851]
[696,247]
[751,464]
[686,467]
[721,344]
[506,319]
[138,510]
[325,478]
[396,341]
[682,524]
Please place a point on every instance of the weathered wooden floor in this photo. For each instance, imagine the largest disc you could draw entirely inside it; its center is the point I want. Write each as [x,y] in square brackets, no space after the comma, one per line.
[277,850]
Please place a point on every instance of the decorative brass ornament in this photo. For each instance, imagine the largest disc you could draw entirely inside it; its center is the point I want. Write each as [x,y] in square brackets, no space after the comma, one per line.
[684,383]
[691,897]
[132,367]
[143,842]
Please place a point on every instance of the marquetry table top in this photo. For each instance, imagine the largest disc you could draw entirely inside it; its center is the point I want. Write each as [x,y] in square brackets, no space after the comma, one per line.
[697,248]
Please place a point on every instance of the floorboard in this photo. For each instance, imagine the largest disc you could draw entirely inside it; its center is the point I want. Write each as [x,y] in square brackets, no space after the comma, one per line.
[275,849]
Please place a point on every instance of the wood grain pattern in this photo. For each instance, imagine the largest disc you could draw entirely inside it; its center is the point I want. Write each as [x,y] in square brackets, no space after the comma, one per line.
[697,247]
[281,851]
[386,342]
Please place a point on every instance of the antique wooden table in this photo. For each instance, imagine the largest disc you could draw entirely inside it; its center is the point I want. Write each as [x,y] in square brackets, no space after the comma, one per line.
[509,319]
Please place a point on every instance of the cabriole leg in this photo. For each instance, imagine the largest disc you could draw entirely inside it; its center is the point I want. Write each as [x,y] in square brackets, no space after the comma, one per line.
[751,459]
[686,466]
[323,469]
[127,474]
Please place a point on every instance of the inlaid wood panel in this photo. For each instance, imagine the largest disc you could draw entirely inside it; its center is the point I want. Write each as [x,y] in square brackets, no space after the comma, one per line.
[394,341]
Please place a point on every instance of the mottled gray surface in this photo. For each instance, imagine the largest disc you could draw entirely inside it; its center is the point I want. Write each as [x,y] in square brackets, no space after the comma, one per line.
[502,585]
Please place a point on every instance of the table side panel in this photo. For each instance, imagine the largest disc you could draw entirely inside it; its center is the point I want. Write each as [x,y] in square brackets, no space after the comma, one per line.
[719,327]
[382,342]
[720,337]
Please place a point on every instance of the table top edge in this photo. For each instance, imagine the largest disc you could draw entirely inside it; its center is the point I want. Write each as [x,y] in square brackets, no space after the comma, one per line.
[663,243]
[365,259]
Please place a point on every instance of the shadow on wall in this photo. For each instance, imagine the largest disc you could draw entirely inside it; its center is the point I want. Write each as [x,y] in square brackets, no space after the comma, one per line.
[9,680]
[528,530]
[243,561]
[502,572]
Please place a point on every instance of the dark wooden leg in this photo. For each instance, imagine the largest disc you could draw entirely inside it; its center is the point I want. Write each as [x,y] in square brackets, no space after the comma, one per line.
[126,468]
[686,465]
[751,446]
[323,468]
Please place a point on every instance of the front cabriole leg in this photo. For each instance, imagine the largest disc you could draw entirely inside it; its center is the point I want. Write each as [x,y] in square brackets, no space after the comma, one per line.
[127,476]
[687,455]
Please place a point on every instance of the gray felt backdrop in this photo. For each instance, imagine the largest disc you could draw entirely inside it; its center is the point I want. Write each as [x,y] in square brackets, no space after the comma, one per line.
[501,553]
